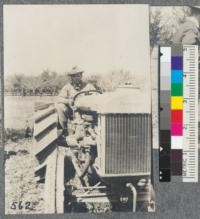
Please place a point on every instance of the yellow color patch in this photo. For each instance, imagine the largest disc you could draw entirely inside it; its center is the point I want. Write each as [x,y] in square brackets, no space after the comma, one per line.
[176,102]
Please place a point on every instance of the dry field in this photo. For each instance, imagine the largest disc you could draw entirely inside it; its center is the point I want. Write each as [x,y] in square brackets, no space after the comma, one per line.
[20,185]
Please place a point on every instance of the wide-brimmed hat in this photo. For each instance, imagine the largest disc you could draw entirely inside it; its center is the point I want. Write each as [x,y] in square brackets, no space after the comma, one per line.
[75,71]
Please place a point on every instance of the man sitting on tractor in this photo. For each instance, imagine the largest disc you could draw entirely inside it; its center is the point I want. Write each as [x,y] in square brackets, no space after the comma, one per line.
[65,98]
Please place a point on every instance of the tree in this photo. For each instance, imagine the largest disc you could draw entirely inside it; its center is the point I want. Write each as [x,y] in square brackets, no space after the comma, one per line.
[17,81]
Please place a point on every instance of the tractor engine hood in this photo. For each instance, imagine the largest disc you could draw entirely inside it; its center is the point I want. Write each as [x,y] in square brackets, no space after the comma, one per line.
[126,99]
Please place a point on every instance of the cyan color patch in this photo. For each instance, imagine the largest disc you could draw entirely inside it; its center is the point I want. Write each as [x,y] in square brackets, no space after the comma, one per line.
[177,76]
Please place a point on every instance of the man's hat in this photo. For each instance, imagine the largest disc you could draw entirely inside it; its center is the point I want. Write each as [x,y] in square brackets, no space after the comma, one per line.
[75,70]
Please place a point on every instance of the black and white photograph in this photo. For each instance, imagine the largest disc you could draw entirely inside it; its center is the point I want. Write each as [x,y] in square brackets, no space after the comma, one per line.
[174,24]
[78,109]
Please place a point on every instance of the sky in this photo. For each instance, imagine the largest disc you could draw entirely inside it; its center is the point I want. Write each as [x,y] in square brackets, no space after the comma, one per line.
[96,38]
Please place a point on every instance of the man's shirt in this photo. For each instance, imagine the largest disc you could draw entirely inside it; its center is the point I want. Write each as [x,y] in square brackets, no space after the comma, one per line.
[68,91]
[188,33]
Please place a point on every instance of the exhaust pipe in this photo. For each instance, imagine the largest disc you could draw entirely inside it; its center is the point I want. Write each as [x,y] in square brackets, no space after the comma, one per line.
[133,190]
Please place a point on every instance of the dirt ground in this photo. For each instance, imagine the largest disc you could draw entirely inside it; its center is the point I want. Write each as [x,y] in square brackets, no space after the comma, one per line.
[22,194]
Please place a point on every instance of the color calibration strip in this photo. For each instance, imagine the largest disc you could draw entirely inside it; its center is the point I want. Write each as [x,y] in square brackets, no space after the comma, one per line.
[176,113]
[178,156]
[165,114]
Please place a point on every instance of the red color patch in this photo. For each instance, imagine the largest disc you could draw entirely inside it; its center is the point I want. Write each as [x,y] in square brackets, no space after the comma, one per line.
[177,116]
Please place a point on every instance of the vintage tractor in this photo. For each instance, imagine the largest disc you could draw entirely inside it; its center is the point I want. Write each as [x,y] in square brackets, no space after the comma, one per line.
[104,163]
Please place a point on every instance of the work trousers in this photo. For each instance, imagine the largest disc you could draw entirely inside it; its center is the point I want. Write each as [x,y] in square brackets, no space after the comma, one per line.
[64,114]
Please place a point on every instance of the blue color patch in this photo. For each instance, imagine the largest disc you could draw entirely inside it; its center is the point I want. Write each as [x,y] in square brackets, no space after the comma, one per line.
[177,76]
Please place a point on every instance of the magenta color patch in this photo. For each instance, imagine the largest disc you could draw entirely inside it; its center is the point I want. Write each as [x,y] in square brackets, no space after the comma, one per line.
[176,129]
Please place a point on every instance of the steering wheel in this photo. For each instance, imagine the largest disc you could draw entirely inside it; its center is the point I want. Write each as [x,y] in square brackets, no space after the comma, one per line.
[88,92]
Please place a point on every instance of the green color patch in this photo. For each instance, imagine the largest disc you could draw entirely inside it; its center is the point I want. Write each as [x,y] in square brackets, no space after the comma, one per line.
[176,89]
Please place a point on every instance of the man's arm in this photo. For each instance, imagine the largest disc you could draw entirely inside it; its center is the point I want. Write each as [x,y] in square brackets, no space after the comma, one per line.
[64,96]
[190,37]
[187,34]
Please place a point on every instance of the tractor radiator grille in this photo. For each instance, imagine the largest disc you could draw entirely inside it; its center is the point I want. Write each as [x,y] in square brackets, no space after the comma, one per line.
[127,143]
